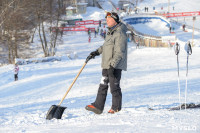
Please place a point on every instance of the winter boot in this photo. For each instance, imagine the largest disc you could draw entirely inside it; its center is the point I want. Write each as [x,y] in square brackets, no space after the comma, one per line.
[111,111]
[93,109]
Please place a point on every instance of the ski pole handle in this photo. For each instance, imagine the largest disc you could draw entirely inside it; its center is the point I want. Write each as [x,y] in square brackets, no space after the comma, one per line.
[177,48]
[189,50]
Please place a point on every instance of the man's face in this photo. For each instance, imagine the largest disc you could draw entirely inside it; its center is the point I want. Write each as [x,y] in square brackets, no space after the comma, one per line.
[110,21]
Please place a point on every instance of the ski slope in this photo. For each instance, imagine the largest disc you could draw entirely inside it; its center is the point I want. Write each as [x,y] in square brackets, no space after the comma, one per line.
[150,81]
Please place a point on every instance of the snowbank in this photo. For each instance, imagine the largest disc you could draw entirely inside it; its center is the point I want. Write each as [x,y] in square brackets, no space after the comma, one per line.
[36,60]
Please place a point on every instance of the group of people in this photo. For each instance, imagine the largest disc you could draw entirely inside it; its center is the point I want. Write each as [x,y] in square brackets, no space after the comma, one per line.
[101,31]
[154,8]
[146,9]
[171,29]
[96,31]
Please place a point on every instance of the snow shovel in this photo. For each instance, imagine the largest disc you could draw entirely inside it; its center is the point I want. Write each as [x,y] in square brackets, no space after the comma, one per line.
[56,111]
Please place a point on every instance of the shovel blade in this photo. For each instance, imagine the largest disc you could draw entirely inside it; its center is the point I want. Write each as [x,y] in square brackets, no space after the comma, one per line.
[55,111]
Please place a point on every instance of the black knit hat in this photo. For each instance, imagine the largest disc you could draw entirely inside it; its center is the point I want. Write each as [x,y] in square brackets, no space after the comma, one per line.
[114,15]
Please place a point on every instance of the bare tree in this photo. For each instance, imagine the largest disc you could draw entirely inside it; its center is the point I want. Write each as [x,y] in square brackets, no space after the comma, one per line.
[19,20]
[15,19]
[50,11]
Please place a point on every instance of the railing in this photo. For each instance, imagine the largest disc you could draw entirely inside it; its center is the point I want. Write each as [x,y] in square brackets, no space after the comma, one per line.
[141,38]
[180,24]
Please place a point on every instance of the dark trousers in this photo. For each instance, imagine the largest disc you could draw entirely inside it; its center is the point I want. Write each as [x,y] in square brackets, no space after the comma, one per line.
[16,77]
[114,88]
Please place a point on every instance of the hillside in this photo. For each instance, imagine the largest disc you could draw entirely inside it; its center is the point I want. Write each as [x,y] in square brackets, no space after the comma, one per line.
[149,82]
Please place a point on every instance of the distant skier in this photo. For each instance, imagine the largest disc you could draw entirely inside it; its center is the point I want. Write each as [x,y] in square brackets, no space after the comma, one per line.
[173,28]
[16,71]
[99,23]
[89,39]
[95,33]
[114,60]
[137,44]
[170,29]
[89,32]
[183,27]
[104,34]
[101,32]
[61,32]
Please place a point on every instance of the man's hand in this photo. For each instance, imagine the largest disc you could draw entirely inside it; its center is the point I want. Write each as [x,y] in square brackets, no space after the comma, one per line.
[92,55]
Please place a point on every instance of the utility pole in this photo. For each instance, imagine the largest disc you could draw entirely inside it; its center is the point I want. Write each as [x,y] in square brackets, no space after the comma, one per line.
[136,3]
[194,18]
[75,1]
[168,6]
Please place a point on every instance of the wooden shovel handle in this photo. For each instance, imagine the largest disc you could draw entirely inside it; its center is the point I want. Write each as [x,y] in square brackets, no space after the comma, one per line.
[72,83]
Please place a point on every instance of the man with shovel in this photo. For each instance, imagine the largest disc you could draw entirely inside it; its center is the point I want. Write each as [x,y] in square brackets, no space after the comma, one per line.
[114,60]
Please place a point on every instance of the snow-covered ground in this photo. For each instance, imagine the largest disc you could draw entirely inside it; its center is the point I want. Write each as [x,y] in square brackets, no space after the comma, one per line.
[150,81]
[152,28]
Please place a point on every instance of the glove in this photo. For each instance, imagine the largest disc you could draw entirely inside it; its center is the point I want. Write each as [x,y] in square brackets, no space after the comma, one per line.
[93,54]
[111,71]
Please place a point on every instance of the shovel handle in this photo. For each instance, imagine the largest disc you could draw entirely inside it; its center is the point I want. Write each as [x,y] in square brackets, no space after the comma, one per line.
[73,83]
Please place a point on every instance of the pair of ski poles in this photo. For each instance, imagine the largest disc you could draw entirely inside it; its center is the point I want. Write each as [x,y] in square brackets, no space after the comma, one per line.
[188,49]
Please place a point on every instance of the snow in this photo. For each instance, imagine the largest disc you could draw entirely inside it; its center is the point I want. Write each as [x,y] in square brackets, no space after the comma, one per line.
[150,81]
[157,31]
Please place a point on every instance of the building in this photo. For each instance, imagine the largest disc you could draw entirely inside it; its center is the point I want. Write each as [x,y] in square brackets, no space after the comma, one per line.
[81,8]
[123,3]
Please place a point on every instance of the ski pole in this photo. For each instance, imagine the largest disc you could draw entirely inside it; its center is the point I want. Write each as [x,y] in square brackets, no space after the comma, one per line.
[177,50]
[188,49]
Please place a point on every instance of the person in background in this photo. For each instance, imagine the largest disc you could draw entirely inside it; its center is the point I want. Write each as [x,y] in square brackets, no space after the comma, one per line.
[95,33]
[89,39]
[104,34]
[170,29]
[99,23]
[137,44]
[16,71]
[89,32]
[114,60]
[183,27]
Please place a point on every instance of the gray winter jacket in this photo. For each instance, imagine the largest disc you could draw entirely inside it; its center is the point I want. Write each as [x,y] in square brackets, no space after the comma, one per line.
[114,49]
